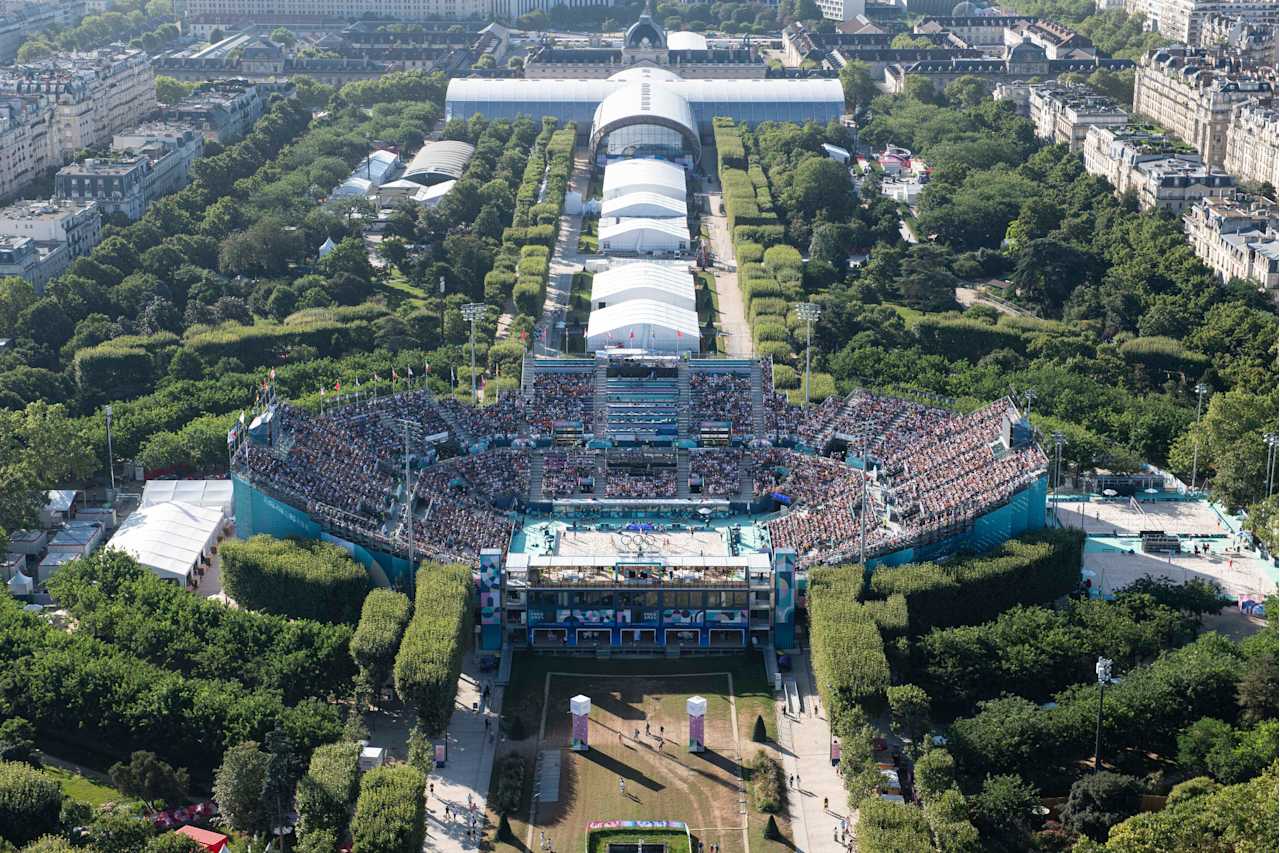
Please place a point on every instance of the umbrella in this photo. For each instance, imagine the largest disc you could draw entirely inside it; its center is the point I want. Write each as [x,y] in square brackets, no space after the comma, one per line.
[1111,493]
[704,511]
[1152,491]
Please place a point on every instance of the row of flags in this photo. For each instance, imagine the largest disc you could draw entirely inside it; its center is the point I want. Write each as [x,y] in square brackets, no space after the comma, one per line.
[395,378]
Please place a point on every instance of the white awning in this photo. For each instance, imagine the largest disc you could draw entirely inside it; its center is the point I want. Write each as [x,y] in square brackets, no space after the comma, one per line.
[671,284]
[644,203]
[641,234]
[642,175]
[206,493]
[169,538]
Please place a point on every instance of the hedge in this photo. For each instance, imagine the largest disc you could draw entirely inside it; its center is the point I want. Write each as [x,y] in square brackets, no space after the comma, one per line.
[511,772]
[886,827]
[30,803]
[781,257]
[766,331]
[115,600]
[390,813]
[1034,568]
[327,792]
[777,350]
[846,647]
[1161,353]
[964,337]
[768,305]
[765,234]
[429,662]
[785,377]
[305,580]
[377,638]
[747,252]
[262,343]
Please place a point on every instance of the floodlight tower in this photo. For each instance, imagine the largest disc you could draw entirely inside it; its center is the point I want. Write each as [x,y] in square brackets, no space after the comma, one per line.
[1059,440]
[809,312]
[471,312]
[1273,445]
[1201,391]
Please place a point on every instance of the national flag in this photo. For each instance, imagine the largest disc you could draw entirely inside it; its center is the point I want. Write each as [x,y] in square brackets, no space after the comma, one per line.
[679,334]
[410,369]
[322,392]
[231,435]
[395,377]
[242,417]
[337,386]
[272,374]
[524,336]
[632,336]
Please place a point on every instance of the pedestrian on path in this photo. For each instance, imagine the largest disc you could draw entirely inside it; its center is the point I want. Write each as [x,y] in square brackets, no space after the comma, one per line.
[622,786]
[824,805]
[791,781]
[646,728]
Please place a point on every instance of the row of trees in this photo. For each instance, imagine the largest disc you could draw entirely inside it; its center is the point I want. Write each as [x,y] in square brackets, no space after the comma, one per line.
[383,619]
[429,661]
[302,580]
[115,600]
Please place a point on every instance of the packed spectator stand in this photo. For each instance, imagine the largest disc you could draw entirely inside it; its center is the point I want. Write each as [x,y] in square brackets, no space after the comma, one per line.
[867,473]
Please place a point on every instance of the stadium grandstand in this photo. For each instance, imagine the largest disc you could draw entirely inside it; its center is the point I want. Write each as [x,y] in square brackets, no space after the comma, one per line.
[690,475]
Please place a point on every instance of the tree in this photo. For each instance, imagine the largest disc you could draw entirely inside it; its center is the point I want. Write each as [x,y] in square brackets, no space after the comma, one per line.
[43,449]
[758,732]
[967,91]
[1003,810]
[935,772]
[169,91]
[150,779]
[859,86]
[921,89]
[238,787]
[1098,802]
[284,766]
[924,281]
[909,711]
[116,832]
[1048,271]
[18,742]
[30,803]
[1229,755]
[172,842]
[284,36]
[820,186]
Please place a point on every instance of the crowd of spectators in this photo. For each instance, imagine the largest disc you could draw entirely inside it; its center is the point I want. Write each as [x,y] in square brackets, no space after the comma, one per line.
[929,471]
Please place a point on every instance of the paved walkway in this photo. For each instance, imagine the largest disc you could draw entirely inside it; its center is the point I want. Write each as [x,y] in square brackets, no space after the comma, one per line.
[565,261]
[806,754]
[464,780]
[732,321]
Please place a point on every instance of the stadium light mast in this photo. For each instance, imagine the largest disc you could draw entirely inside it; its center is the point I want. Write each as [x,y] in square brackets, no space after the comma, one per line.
[408,495]
[1030,396]
[809,312]
[1103,670]
[471,312]
[1058,441]
[862,514]
[111,462]
[1201,391]
[1273,445]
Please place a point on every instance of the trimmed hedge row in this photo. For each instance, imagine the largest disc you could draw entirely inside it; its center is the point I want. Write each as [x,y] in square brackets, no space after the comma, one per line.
[1035,568]
[383,618]
[327,792]
[390,812]
[304,580]
[885,827]
[847,649]
[430,657]
[117,601]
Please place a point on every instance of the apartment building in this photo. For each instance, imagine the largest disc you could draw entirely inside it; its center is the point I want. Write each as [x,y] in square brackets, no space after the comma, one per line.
[223,111]
[1192,92]
[1063,113]
[1183,20]
[25,151]
[284,10]
[1254,43]
[38,240]
[1253,142]
[1161,173]
[1236,238]
[841,10]
[94,94]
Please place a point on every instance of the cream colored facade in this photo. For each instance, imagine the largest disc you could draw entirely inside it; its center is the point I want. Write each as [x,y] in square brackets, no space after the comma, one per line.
[407,10]
[95,95]
[1063,114]
[1183,20]
[1141,161]
[1236,239]
[25,151]
[1180,89]
[1253,143]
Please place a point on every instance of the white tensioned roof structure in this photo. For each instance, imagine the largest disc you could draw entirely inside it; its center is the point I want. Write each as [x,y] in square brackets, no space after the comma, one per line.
[669,283]
[169,538]
[644,323]
[684,40]
[749,101]
[652,205]
[639,234]
[646,102]
[439,161]
[622,177]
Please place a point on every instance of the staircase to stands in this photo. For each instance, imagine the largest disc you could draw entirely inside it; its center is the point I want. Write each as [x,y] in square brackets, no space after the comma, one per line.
[602,473]
[537,464]
[757,399]
[600,401]
[684,413]
[682,473]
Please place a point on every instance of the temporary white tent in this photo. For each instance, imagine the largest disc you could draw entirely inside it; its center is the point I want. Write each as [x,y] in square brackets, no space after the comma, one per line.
[669,283]
[206,493]
[644,324]
[656,176]
[170,538]
[644,236]
[641,203]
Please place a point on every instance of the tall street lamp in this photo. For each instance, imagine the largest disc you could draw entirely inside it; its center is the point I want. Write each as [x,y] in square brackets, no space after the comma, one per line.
[111,462]
[1030,396]
[809,312]
[1273,445]
[1103,670]
[1058,441]
[1201,391]
[471,312]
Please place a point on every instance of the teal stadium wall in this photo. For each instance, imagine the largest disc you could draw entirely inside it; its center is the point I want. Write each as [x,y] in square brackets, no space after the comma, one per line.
[257,512]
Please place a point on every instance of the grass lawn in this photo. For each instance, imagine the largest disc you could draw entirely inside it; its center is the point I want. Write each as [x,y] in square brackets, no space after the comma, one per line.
[662,780]
[399,289]
[676,842]
[83,789]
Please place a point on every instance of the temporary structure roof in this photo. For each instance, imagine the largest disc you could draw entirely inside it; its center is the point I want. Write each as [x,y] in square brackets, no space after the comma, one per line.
[623,177]
[669,283]
[650,204]
[439,161]
[212,842]
[60,500]
[641,312]
[685,40]
[641,234]
[646,103]
[169,538]
[207,493]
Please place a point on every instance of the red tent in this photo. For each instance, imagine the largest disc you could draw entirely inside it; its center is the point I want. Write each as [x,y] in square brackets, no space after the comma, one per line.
[211,841]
